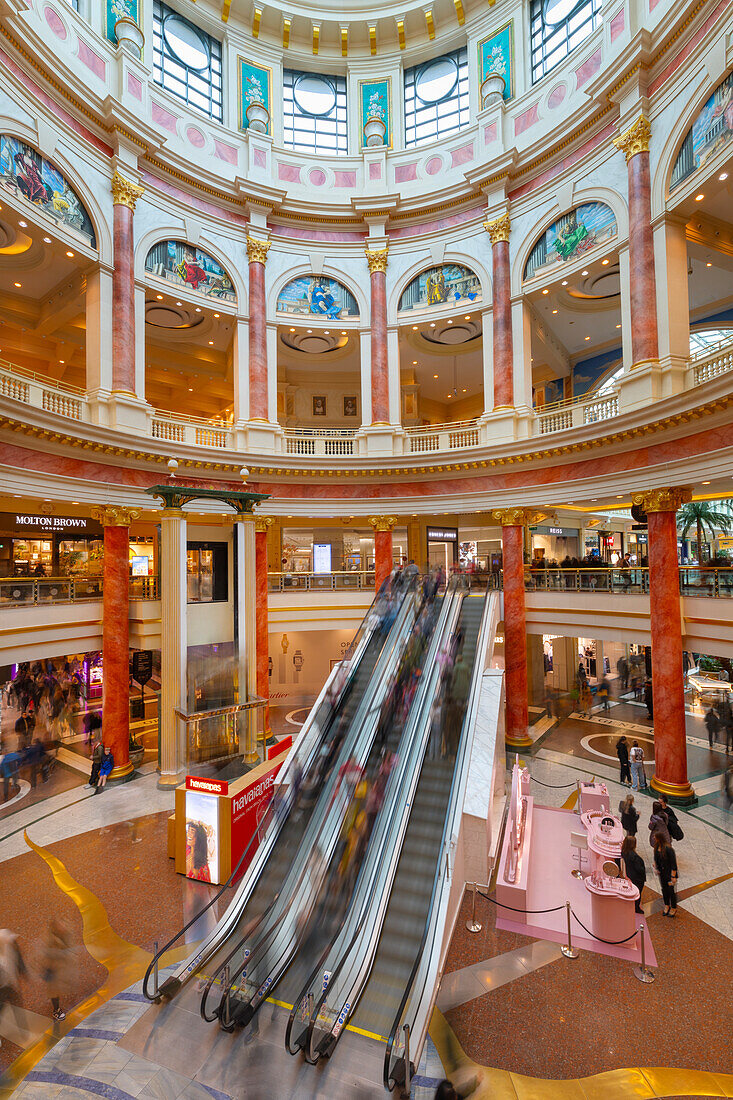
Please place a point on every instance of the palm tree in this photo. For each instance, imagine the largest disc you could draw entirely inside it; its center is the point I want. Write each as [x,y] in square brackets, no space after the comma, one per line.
[703,515]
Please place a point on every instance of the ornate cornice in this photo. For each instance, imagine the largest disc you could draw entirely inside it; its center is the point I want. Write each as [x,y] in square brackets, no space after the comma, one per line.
[112,515]
[377,259]
[635,139]
[383,523]
[262,523]
[499,229]
[662,500]
[516,517]
[257,250]
[124,192]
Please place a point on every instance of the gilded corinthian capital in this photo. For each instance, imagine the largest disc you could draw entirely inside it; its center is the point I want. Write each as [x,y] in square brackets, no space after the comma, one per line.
[635,139]
[262,523]
[499,229]
[377,259]
[111,515]
[383,523]
[662,500]
[257,250]
[124,192]
[516,517]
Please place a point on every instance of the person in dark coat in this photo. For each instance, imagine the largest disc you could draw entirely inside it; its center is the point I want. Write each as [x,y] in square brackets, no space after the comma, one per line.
[622,752]
[632,866]
[712,724]
[673,825]
[96,761]
[649,697]
[658,824]
[665,861]
[629,815]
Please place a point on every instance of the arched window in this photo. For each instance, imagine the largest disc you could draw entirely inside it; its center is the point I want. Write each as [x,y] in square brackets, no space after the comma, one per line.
[314,112]
[187,61]
[576,232]
[185,266]
[23,171]
[317,295]
[557,27]
[447,285]
[711,130]
[436,97]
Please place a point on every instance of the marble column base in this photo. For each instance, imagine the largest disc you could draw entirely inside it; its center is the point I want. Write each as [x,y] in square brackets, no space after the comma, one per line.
[170,781]
[122,774]
[682,794]
[518,742]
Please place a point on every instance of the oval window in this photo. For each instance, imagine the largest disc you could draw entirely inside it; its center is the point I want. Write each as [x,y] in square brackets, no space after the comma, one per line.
[437,80]
[555,11]
[315,95]
[188,45]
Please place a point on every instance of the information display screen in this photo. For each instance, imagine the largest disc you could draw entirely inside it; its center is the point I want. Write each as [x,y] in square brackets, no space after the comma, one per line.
[321,557]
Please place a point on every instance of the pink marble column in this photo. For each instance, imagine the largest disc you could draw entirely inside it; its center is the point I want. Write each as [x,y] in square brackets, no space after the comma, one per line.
[515,636]
[383,527]
[502,312]
[258,383]
[377,260]
[668,689]
[263,644]
[116,641]
[124,197]
[642,279]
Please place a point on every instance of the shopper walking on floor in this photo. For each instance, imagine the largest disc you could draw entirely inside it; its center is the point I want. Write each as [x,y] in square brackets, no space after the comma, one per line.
[622,752]
[712,725]
[633,867]
[54,964]
[665,861]
[658,824]
[636,763]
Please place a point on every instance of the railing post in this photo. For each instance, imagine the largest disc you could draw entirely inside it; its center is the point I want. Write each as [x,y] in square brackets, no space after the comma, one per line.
[155,968]
[408,1081]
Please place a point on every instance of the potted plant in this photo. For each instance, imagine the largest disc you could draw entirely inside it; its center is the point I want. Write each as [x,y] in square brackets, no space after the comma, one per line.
[137,752]
[375,128]
[256,113]
[494,84]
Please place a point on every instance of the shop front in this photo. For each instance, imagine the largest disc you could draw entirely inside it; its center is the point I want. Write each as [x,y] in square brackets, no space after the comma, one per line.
[551,543]
[35,545]
[324,551]
[442,547]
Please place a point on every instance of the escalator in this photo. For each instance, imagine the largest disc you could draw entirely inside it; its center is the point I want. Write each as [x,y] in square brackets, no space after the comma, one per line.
[283,830]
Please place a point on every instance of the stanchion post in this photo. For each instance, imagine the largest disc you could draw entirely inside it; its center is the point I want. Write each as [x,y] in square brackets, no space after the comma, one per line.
[567,949]
[642,972]
[155,967]
[408,1081]
[473,925]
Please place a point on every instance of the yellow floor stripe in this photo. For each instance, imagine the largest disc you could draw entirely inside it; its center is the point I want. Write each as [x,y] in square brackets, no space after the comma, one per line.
[619,1084]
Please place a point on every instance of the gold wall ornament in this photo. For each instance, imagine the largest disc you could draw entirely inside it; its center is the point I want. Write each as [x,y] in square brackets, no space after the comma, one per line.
[113,515]
[257,250]
[124,192]
[377,259]
[262,523]
[635,139]
[499,229]
[663,500]
[516,517]
[383,523]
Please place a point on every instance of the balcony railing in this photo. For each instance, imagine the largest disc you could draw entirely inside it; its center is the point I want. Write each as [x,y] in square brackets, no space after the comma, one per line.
[34,591]
[320,441]
[695,580]
[354,580]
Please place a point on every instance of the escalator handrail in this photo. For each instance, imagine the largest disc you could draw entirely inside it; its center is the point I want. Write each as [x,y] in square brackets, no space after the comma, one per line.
[449,620]
[359,649]
[457,772]
[400,622]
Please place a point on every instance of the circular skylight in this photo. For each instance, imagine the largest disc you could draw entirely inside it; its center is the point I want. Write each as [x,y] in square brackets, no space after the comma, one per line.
[436,80]
[315,95]
[185,42]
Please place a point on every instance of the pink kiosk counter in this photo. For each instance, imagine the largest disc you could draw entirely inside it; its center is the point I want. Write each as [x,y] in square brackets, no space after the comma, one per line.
[542,851]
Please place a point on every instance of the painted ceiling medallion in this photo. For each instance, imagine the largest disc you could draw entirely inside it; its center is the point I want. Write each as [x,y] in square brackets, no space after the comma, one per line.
[163,316]
[457,333]
[313,343]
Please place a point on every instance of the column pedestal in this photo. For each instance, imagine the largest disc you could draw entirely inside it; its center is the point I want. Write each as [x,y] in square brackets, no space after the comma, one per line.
[174,641]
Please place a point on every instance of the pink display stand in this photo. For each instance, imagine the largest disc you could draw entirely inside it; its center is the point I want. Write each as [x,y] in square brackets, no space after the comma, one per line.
[611,906]
[594,796]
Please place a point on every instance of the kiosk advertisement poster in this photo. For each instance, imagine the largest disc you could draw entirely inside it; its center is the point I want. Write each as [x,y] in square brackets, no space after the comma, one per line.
[248,811]
[202,836]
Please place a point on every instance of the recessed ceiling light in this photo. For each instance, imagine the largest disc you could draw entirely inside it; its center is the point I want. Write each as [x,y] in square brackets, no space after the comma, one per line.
[326,332]
[564,282]
[584,272]
[698,198]
[17,284]
[210,342]
[343,332]
[159,297]
[464,391]
[545,291]
[605,262]
[723,176]
[198,309]
[47,240]
[70,255]
[179,303]
[414,362]
[706,482]
[310,330]
[587,337]
[435,376]
[554,311]
[448,395]
[618,326]
[190,389]
[467,317]
[449,321]
[24,224]
[62,361]
[619,497]
[414,328]
[216,314]
[708,265]
[432,324]
[292,330]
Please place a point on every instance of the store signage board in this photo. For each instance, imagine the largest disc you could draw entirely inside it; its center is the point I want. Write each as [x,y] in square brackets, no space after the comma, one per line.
[206,786]
[442,534]
[142,665]
[31,523]
[321,557]
[565,532]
